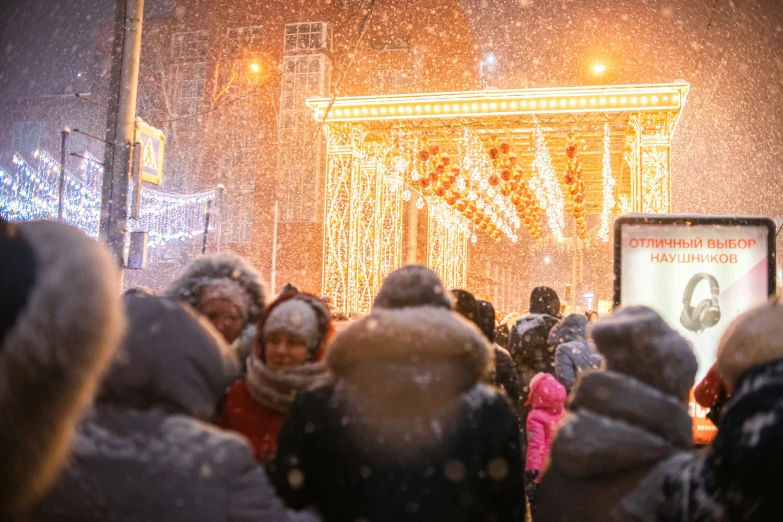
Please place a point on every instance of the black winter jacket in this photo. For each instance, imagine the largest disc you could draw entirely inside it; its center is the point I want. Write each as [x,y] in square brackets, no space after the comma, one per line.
[738,477]
[405,431]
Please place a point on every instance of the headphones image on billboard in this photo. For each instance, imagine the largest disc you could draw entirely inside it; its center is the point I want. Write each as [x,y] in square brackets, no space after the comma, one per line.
[706,314]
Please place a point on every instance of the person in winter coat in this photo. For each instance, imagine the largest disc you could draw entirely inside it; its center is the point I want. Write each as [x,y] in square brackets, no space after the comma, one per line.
[546,403]
[406,431]
[228,291]
[60,323]
[529,341]
[738,477]
[482,314]
[145,453]
[503,330]
[288,359]
[626,428]
[573,353]
[506,377]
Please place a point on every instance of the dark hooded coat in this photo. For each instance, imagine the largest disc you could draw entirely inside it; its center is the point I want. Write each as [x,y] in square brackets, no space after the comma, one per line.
[529,347]
[573,353]
[612,440]
[143,454]
[405,431]
[61,323]
[738,477]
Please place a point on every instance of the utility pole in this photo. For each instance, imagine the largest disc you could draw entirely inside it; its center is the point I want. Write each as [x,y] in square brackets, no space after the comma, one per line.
[61,199]
[120,124]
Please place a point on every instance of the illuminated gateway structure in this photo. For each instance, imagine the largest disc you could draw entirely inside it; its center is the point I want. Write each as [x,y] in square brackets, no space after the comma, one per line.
[506,163]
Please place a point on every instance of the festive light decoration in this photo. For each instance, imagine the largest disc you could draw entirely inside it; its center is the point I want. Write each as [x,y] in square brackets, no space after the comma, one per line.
[545,185]
[32,193]
[608,184]
[491,176]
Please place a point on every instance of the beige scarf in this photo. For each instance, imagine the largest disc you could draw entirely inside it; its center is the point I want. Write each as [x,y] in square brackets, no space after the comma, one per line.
[277,390]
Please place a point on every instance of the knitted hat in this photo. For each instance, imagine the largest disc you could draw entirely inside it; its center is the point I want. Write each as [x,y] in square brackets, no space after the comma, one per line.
[466,306]
[229,289]
[544,300]
[296,317]
[487,319]
[637,341]
[412,285]
[755,337]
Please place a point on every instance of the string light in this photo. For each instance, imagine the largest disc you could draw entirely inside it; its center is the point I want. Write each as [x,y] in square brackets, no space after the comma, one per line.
[32,193]
[545,185]
[608,184]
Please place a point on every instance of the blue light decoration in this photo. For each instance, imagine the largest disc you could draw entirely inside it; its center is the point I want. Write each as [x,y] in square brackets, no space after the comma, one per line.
[32,193]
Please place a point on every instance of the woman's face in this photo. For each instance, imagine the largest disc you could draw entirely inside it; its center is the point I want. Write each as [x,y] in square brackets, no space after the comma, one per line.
[225,316]
[285,350]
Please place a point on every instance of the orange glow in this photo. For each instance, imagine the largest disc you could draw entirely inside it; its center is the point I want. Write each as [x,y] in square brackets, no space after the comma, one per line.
[255,67]
[599,68]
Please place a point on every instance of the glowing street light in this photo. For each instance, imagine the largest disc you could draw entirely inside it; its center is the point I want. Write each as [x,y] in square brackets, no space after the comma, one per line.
[599,69]
[255,67]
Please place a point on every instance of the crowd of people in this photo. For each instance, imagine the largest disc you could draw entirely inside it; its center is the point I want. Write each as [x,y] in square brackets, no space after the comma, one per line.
[211,402]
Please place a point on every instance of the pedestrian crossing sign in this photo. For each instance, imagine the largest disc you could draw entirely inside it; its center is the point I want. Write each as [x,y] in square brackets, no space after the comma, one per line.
[150,157]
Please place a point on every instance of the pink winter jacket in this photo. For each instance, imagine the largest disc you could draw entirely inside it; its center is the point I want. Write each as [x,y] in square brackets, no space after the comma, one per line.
[547,400]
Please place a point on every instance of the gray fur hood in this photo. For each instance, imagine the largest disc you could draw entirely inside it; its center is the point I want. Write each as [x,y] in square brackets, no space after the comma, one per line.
[411,336]
[171,359]
[618,424]
[206,270]
[53,357]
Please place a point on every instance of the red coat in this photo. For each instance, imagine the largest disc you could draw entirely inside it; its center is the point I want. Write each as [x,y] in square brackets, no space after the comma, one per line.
[258,423]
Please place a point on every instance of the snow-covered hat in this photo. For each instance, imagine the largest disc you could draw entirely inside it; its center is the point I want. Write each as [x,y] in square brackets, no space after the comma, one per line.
[412,285]
[294,316]
[755,337]
[637,341]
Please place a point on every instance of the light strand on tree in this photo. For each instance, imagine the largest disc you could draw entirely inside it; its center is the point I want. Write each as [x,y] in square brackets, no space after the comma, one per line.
[608,184]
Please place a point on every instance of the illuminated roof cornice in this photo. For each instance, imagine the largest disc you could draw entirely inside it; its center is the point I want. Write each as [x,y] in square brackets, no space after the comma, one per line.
[669,97]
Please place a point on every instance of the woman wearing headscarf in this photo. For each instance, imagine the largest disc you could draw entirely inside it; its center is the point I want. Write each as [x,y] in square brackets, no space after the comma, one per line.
[287,359]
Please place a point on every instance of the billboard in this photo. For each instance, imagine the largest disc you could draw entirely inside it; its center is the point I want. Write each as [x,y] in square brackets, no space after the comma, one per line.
[699,273]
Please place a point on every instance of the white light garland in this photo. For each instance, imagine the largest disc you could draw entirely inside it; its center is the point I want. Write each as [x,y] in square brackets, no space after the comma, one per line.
[546,186]
[608,183]
[32,193]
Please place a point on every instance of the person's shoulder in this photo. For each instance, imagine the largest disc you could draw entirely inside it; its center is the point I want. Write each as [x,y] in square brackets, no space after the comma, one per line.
[217,450]
[487,399]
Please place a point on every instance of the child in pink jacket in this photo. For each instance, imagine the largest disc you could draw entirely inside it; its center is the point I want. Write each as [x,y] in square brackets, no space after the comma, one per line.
[546,401]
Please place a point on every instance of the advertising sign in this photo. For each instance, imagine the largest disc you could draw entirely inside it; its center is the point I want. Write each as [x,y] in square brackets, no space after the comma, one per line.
[699,273]
[151,141]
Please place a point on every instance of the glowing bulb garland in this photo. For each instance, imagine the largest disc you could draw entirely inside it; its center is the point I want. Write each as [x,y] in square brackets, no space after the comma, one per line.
[545,185]
[608,184]
[32,193]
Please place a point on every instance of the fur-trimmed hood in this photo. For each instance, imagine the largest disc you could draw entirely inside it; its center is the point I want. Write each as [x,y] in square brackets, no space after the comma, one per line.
[53,357]
[411,358]
[172,359]
[618,424]
[208,270]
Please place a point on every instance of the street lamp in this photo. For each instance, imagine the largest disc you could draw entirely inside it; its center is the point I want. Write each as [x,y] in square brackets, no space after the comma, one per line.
[599,69]
[487,66]
[255,67]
